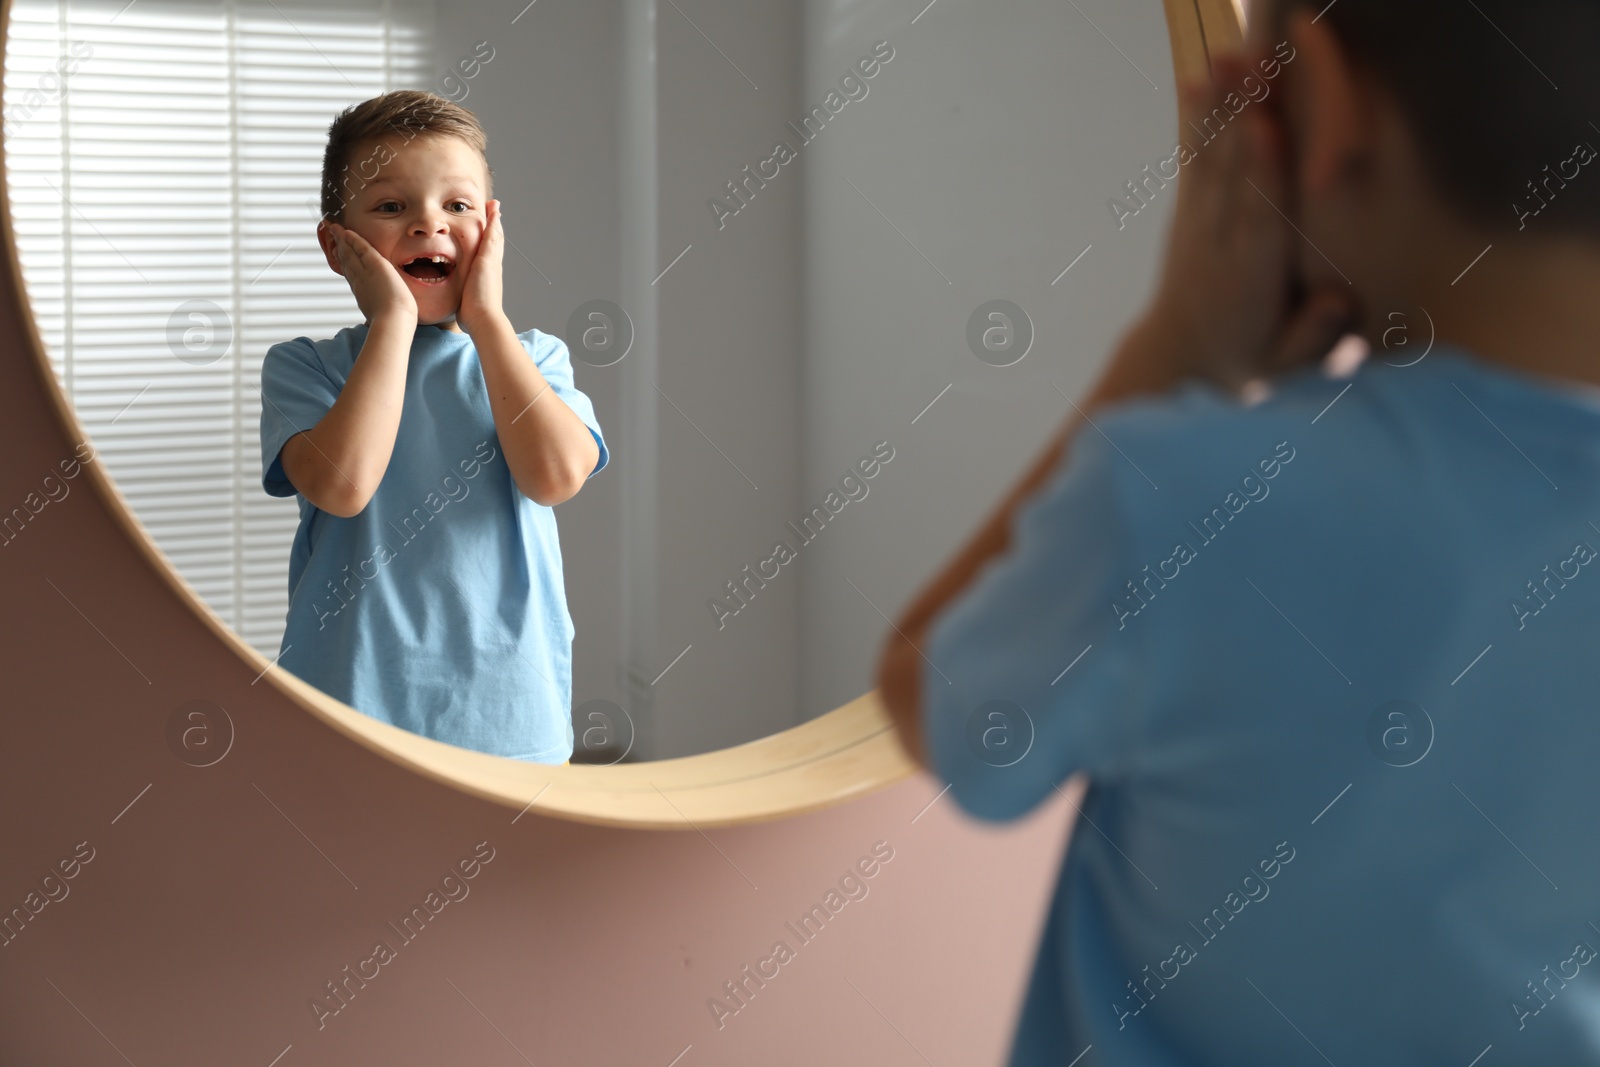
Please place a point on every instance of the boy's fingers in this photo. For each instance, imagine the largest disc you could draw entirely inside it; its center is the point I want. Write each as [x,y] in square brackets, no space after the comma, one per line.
[1254,177]
[1228,71]
[1265,151]
[1199,96]
[1194,101]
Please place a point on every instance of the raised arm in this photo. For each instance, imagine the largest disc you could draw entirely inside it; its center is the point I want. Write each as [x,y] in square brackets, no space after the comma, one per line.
[1142,365]
[338,463]
[549,449]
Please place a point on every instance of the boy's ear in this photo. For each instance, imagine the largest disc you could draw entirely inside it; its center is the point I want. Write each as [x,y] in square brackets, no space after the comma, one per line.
[1332,114]
[329,252]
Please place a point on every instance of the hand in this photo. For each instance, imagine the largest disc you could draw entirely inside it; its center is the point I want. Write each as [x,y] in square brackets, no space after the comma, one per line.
[379,290]
[1230,306]
[481,297]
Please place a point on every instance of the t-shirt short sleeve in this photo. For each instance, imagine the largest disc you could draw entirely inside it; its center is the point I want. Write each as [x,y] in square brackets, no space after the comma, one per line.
[296,393]
[550,355]
[1027,675]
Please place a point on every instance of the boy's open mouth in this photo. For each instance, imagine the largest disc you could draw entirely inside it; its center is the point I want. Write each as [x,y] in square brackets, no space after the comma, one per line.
[430,270]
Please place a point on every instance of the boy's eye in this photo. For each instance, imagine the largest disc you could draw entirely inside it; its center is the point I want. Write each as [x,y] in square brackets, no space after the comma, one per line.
[383,208]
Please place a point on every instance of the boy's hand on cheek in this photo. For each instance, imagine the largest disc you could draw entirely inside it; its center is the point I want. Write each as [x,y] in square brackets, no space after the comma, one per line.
[374,281]
[1229,307]
[482,299]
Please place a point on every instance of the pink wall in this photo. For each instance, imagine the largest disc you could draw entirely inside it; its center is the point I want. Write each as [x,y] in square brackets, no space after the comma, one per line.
[215,908]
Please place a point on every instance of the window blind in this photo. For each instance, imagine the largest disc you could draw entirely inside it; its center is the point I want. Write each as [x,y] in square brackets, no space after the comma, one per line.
[163,161]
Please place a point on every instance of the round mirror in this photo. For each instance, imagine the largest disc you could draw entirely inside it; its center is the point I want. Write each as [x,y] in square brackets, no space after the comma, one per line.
[818,277]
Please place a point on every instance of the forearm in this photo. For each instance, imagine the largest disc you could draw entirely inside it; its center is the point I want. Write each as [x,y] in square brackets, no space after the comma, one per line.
[547,446]
[1146,362]
[349,449]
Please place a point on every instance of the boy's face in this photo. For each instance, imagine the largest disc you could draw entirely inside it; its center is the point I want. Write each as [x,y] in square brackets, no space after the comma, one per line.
[428,198]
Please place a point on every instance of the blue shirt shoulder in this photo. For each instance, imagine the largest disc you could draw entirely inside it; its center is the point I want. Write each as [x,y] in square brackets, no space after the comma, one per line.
[1321,658]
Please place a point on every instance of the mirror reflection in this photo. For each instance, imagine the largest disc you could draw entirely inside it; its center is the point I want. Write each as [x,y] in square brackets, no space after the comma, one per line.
[616,370]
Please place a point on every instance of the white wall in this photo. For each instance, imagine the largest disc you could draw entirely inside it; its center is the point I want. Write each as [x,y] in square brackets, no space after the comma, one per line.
[993,140]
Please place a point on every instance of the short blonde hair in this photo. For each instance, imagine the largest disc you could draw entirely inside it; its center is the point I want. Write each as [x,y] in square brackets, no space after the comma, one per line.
[407,112]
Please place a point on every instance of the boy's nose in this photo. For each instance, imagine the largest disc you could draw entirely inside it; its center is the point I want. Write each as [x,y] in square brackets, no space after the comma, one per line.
[430,222]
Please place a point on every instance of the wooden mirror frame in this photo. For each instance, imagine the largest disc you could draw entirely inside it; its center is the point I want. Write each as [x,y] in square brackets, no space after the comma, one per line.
[840,755]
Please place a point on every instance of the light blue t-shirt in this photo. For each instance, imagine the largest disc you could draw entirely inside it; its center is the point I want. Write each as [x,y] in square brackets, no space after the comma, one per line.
[1332,665]
[441,606]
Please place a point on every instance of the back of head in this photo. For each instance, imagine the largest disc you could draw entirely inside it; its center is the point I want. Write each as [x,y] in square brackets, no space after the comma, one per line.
[1494,91]
[398,116]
